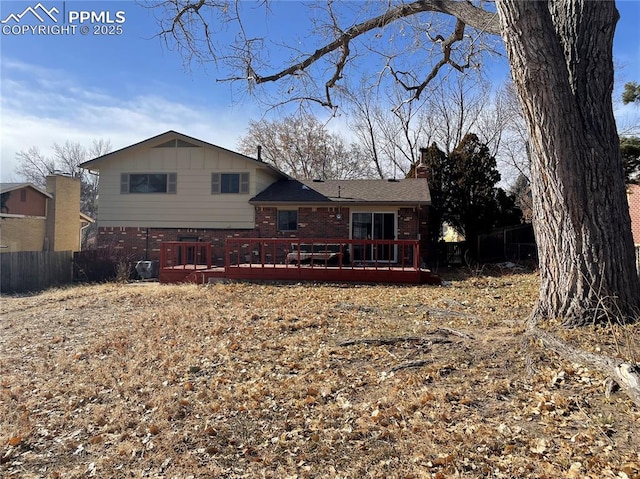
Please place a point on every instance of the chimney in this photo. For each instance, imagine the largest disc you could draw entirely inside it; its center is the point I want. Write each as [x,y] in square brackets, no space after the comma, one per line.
[259,152]
[63,213]
[421,168]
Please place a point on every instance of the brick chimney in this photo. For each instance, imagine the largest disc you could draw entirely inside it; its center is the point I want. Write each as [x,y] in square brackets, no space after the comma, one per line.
[63,213]
[421,168]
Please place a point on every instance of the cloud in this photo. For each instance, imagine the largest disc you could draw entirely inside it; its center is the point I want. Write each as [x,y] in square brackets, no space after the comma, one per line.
[41,106]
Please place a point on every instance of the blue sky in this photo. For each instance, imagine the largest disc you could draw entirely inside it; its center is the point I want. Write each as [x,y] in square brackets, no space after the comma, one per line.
[129,86]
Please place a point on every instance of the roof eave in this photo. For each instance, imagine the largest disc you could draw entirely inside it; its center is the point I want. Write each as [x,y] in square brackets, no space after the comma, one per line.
[27,185]
[338,203]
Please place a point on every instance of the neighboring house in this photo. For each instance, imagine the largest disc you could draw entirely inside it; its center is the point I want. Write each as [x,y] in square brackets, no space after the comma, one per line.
[32,219]
[173,187]
[450,234]
[633,195]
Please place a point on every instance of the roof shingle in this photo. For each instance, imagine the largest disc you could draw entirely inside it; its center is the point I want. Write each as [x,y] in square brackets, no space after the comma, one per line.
[407,191]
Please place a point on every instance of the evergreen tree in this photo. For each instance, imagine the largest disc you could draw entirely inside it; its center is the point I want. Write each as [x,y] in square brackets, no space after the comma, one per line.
[631,93]
[630,149]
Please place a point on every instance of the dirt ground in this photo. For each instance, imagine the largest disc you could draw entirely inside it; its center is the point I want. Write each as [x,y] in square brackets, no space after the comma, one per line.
[238,380]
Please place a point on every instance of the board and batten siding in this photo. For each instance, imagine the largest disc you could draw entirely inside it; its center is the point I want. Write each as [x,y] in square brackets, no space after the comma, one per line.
[193,205]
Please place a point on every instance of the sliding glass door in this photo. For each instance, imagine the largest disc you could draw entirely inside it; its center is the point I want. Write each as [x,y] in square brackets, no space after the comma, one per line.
[378,226]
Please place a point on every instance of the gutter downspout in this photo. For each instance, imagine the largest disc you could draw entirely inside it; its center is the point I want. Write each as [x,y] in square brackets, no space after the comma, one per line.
[82,228]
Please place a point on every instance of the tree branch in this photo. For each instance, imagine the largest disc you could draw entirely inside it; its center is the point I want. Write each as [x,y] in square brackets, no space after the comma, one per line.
[465,13]
[447,45]
[188,19]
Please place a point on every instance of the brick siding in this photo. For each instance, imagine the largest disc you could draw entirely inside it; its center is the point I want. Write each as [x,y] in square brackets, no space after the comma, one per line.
[135,243]
[634,211]
[144,243]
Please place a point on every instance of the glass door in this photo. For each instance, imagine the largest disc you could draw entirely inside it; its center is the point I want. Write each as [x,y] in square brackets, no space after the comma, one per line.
[377,226]
[384,228]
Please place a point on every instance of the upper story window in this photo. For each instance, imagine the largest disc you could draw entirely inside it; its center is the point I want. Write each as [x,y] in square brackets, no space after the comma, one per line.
[229,183]
[23,195]
[148,183]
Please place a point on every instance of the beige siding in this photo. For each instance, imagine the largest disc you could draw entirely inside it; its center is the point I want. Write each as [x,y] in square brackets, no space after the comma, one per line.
[23,234]
[193,206]
[264,178]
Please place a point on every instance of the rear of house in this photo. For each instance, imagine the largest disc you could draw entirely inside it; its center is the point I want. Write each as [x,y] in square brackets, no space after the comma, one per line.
[173,187]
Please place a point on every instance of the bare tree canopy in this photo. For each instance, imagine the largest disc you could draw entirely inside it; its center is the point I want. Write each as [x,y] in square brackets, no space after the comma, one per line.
[34,167]
[453,109]
[560,54]
[302,147]
[312,67]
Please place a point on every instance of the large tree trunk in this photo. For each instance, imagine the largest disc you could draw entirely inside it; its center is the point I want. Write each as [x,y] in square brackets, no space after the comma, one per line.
[561,59]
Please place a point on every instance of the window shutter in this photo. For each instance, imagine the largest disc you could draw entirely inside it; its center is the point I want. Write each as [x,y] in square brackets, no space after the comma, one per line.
[215,183]
[244,183]
[124,183]
[172,183]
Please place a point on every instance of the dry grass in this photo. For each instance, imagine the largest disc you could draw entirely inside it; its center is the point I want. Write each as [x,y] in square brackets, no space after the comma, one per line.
[250,380]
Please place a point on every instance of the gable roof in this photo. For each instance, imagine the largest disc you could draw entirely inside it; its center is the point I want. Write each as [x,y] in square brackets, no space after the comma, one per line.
[162,139]
[7,187]
[413,191]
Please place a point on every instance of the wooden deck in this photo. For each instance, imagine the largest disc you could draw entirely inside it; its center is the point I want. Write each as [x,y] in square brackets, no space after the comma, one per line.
[331,260]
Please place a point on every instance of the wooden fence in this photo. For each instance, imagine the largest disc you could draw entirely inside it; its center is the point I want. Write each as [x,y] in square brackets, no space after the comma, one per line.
[34,270]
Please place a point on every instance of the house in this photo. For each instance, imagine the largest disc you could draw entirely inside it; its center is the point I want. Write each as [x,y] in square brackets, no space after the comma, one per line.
[33,219]
[173,187]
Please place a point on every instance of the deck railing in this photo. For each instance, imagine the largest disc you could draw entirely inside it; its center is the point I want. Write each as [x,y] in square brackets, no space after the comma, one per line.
[293,259]
[185,254]
[295,253]
[322,252]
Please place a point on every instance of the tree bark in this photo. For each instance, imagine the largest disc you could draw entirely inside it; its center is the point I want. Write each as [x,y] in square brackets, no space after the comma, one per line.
[561,59]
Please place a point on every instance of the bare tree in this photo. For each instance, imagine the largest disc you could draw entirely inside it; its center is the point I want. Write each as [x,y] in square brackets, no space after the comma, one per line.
[364,125]
[302,147]
[514,154]
[450,111]
[392,138]
[560,53]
